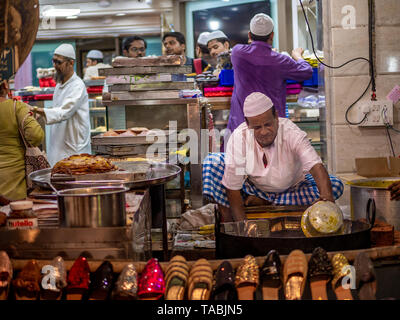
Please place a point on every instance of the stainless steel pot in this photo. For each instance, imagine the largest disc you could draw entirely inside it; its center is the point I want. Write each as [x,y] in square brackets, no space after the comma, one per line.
[92,207]
[361,191]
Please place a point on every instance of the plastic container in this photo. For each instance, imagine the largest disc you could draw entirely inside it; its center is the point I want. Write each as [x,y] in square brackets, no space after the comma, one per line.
[313,81]
[315,76]
[294,86]
[290,92]
[226,77]
[21,209]
[218,92]
[22,215]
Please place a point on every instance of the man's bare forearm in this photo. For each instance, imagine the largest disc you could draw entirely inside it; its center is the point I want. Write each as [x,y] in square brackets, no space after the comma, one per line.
[236,205]
[323,181]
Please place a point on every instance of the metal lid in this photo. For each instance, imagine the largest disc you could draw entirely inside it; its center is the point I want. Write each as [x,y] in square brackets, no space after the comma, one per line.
[21,205]
[325,217]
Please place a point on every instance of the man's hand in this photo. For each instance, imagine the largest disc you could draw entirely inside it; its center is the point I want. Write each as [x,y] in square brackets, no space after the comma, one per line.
[236,205]
[323,182]
[36,111]
[297,54]
[395,191]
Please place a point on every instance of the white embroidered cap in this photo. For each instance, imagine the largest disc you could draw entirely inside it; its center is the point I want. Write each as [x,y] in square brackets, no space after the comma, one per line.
[66,50]
[203,38]
[216,35]
[95,54]
[261,25]
[255,104]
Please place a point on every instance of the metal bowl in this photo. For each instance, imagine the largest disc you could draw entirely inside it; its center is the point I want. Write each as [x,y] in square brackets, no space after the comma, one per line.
[92,207]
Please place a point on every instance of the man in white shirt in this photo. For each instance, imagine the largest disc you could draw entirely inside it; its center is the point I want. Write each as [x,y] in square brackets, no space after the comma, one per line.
[94,62]
[269,160]
[69,116]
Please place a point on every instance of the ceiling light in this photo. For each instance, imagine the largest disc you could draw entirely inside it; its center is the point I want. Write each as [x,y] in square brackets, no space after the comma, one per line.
[104,3]
[72,17]
[120,14]
[60,12]
[214,25]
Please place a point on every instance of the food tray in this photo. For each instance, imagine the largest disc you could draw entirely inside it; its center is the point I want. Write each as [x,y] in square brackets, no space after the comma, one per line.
[135,140]
[125,150]
[135,175]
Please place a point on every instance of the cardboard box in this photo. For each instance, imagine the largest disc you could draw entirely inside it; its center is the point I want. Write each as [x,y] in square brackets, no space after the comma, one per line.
[378,167]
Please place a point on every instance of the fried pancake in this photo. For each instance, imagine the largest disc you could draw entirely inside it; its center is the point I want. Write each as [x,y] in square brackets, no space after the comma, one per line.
[83,164]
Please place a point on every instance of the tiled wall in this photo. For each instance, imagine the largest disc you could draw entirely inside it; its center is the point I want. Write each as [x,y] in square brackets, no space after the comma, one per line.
[344,86]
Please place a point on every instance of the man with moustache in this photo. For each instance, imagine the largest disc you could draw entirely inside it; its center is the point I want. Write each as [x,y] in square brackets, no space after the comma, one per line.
[134,47]
[69,117]
[175,44]
[268,161]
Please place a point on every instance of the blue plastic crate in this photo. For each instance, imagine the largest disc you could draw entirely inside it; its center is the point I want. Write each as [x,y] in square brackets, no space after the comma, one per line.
[313,81]
[315,76]
[226,78]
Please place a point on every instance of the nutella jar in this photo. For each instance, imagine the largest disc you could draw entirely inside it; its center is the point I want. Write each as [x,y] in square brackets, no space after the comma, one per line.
[22,215]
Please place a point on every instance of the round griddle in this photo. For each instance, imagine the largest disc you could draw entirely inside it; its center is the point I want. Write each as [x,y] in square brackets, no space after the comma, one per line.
[133,175]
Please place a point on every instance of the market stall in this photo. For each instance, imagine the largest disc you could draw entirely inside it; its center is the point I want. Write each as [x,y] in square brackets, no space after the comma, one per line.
[130,221]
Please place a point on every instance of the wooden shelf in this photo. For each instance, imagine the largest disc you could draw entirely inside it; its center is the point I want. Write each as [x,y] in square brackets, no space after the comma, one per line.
[149,102]
[220,103]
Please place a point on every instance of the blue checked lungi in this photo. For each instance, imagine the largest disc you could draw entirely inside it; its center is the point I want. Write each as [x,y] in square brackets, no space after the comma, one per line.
[304,193]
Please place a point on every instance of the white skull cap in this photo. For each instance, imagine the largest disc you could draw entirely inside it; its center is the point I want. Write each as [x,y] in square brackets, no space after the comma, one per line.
[94,54]
[203,38]
[66,50]
[216,35]
[261,25]
[255,104]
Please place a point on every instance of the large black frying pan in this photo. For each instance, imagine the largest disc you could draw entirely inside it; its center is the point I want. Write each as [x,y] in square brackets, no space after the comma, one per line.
[285,235]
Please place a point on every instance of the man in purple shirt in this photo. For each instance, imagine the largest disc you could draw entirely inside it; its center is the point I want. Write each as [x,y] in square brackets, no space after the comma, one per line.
[257,68]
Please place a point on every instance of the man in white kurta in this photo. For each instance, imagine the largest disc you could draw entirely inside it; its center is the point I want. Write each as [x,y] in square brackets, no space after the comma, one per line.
[268,160]
[94,62]
[69,117]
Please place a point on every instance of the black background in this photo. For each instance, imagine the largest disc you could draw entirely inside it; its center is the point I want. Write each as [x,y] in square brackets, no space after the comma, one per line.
[235,24]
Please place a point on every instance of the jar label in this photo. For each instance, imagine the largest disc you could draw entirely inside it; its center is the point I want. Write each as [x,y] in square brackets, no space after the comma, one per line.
[26,223]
